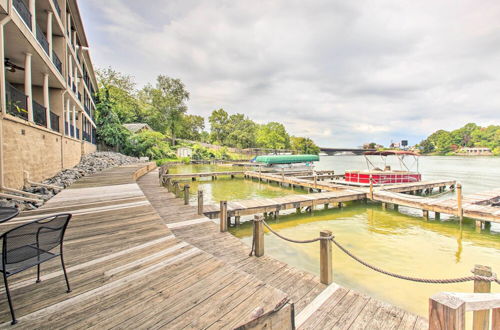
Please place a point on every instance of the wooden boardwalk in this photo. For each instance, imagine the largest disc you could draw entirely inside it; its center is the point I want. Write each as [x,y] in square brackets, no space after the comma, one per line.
[238,208]
[478,206]
[316,305]
[128,270]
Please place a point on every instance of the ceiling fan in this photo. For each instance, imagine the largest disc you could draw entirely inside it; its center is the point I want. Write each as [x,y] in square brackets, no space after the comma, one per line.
[11,66]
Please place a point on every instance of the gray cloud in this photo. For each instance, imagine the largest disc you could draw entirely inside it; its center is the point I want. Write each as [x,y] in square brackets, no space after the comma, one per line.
[342,72]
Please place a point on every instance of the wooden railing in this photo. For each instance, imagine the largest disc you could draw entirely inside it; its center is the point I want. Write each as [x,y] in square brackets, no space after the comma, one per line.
[447,310]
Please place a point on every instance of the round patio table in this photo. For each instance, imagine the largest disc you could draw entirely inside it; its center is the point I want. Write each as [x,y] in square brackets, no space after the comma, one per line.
[7,213]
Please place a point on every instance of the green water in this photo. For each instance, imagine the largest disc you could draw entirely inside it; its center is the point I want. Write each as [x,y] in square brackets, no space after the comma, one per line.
[400,242]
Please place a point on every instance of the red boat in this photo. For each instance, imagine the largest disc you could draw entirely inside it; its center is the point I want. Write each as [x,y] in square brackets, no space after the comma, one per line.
[387,175]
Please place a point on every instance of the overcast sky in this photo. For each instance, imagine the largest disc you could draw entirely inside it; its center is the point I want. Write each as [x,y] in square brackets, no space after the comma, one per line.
[340,72]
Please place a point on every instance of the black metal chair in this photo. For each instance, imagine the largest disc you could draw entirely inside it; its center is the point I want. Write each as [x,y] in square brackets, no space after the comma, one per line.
[29,245]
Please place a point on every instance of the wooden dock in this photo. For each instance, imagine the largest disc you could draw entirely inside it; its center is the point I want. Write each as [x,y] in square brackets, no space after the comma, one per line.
[316,305]
[238,208]
[194,176]
[138,258]
[477,206]
[128,270]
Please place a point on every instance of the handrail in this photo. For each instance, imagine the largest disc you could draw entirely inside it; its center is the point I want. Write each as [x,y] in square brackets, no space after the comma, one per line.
[447,310]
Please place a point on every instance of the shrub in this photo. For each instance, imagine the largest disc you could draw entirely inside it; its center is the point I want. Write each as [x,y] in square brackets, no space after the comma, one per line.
[150,144]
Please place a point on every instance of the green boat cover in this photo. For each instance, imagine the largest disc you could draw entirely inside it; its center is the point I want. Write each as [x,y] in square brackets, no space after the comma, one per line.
[287,159]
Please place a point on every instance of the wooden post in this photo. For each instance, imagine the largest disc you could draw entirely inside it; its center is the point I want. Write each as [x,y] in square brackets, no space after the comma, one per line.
[237,220]
[384,206]
[223,216]
[446,314]
[460,212]
[481,319]
[258,235]
[495,318]
[200,202]
[186,194]
[177,189]
[325,257]
[371,189]
[425,214]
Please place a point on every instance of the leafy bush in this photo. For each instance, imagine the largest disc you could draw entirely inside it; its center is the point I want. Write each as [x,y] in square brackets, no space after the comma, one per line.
[150,144]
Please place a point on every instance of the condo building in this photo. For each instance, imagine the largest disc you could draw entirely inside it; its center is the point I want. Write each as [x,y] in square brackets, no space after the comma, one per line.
[47,88]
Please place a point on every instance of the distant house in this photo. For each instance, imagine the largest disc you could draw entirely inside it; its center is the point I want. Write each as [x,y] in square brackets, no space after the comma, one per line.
[476,151]
[184,152]
[137,127]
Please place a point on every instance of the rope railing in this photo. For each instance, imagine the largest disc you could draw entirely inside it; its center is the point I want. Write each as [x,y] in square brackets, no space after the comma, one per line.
[492,278]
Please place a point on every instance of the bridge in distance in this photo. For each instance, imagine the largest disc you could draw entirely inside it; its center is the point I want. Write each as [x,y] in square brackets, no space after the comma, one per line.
[333,151]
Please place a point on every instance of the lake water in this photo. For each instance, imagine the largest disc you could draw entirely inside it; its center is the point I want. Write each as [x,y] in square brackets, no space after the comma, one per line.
[401,242]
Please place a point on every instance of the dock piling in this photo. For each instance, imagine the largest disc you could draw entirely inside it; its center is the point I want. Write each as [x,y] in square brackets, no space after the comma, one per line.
[325,256]
[200,202]
[223,216]
[258,235]
[460,212]
[481,319]
[186,194]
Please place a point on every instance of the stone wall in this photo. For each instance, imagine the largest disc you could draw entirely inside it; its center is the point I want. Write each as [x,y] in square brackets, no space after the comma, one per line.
[39,151]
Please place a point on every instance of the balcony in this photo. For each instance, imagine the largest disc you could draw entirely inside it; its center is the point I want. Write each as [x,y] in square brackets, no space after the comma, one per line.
[23,11]
[54,122]
[57,62]
[39,114]
[40,36]
[17,102]
[56,5]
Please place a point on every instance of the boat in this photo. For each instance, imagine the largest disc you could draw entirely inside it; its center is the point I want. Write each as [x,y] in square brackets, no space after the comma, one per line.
[288,162]
[387,175]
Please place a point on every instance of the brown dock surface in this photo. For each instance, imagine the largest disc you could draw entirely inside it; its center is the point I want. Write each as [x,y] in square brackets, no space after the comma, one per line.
[263,205]
[316,305]
[128,270]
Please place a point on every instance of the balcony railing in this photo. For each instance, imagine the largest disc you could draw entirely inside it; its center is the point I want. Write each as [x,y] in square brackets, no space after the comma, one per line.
[86,136]
[56,5]
[23,11]
[17,102]
[87,109]
[40,36]
[39,114]
[54,122]
[57,61]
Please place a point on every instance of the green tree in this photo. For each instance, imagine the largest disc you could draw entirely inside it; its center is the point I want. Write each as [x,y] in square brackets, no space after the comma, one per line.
[191,127]
[304,145]
[167,105]
[110,131]
[273,136]
[241,131]
[218,126]
[149,144]
[120,91]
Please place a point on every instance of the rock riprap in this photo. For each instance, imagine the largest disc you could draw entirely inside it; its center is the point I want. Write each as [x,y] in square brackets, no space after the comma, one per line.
[89,164]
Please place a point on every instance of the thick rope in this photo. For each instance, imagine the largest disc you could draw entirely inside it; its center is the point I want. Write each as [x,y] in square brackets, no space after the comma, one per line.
[417,279]
[380,270]
[294,240]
